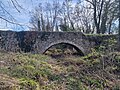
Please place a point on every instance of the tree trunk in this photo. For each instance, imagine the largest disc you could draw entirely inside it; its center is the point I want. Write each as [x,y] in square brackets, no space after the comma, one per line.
[95,19]
[119,28]
[103,24]
[109,28]
[38,25]
[43,24]
[97,22]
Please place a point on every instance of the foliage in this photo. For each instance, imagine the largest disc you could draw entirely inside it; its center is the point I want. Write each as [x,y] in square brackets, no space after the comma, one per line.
[39,72]
[27,84]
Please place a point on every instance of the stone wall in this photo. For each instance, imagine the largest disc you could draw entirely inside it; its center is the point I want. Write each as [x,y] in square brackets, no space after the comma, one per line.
[39,42]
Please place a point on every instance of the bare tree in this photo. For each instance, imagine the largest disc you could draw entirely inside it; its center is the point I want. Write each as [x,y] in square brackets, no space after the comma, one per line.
[55,13]
[47,15]
[69,12]
[112,13]
[8,17]
[119,27]
[105,12]
[37,19]
[86,17]
[97,8]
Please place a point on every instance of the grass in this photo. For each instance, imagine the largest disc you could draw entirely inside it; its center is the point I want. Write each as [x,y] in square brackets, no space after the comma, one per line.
[40,72]
[99,70]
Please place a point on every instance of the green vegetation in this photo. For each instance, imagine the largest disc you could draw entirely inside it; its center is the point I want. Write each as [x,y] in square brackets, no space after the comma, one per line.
[39,72]
[99,70]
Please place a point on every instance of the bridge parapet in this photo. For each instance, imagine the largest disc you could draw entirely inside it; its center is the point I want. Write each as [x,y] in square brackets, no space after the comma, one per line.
[39,42]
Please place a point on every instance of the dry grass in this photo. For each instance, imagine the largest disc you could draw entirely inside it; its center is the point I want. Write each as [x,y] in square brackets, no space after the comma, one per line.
[39,72]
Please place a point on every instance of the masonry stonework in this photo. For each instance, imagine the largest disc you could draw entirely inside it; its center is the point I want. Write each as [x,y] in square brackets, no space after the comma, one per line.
[39,42]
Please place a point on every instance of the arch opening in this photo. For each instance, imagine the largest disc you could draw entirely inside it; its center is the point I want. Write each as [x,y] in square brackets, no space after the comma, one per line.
[62,49]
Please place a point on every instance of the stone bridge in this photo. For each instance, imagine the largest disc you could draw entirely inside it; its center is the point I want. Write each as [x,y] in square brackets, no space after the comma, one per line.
[39,42]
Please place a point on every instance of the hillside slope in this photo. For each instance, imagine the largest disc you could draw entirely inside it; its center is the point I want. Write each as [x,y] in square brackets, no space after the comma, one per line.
[20,71]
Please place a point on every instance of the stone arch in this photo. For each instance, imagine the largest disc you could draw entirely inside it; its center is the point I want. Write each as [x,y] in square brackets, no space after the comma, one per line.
[78,48]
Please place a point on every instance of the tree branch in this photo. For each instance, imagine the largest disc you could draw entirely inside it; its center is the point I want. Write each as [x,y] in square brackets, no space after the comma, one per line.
[14,22]
[6,11]
[90,2]
[15,6]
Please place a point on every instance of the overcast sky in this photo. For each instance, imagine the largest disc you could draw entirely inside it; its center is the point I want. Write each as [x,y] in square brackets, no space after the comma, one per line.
[23,17]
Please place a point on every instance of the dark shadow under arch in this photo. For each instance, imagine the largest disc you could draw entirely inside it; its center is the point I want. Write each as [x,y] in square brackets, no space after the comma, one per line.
[79,52]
